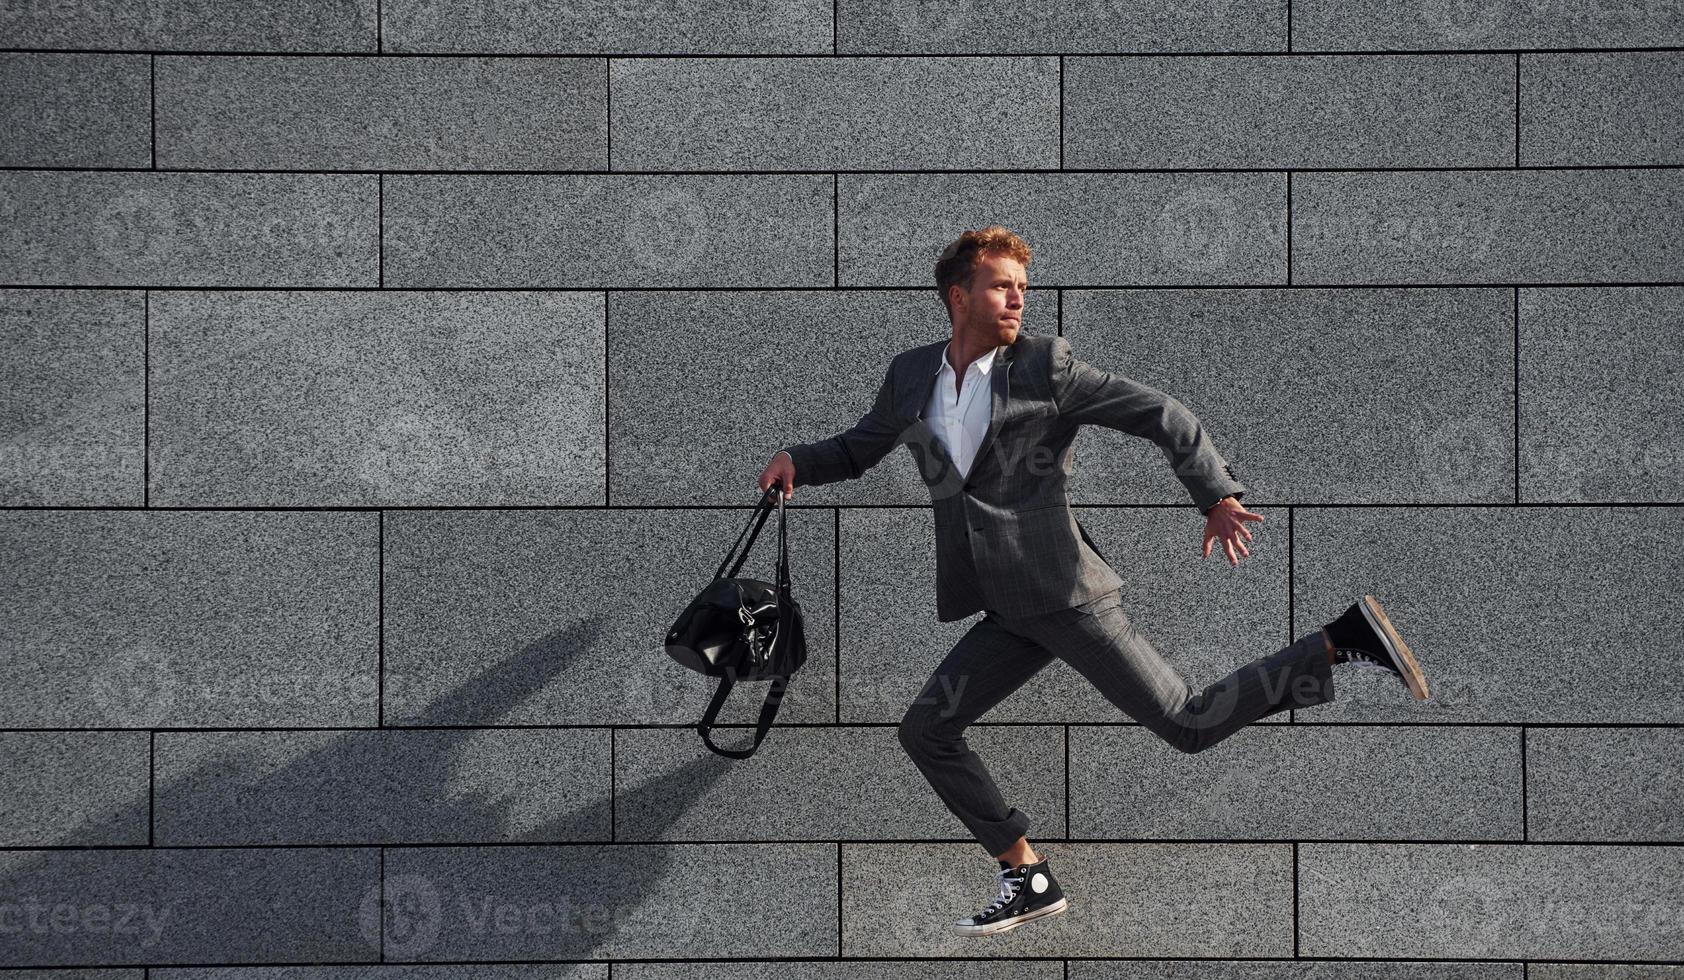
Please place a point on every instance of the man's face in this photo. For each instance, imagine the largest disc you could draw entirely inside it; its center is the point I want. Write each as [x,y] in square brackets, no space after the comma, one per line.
[991,310]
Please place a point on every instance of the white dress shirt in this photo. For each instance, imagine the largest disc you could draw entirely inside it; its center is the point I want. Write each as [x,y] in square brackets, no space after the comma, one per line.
[959,414]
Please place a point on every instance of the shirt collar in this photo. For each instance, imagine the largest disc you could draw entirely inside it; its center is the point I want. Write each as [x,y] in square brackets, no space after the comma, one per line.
[984,363]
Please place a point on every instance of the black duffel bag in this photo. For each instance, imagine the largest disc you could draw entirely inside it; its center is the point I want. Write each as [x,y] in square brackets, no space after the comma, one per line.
[744,629]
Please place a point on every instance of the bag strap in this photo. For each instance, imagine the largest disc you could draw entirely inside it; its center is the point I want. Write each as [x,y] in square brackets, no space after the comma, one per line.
[762,510]
[768,711]
[782,578]
[786,612]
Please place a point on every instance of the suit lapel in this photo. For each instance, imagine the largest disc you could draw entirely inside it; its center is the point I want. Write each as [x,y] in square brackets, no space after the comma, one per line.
[1000,390]
[928,367]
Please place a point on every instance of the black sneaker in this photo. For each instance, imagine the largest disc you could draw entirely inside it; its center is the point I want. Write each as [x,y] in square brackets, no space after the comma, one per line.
[1028,891]
[1362,635]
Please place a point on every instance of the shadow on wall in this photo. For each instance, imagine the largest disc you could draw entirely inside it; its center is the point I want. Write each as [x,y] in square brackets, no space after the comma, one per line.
[232,903]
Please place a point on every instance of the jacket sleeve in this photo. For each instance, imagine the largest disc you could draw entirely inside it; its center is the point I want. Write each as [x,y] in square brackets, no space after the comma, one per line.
[847,455]
[1085,394]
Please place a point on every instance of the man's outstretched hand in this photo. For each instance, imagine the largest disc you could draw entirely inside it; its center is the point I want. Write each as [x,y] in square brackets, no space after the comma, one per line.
[1227,521]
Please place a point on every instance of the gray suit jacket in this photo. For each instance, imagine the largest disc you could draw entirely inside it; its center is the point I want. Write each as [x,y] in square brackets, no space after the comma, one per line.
[1006,538]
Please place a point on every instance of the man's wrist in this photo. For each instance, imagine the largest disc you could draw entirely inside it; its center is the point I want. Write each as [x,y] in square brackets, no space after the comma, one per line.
[1225,497]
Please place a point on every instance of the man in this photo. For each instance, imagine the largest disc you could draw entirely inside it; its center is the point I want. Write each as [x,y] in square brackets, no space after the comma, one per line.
[991,417]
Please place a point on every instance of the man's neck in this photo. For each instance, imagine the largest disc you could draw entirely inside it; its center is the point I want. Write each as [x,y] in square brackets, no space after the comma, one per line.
[960,353]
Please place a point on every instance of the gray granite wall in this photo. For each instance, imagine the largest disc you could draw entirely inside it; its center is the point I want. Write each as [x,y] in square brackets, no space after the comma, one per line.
[382,377]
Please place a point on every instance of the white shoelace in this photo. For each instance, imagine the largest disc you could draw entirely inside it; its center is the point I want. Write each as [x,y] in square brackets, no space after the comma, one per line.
[1010,882]
[1362,658]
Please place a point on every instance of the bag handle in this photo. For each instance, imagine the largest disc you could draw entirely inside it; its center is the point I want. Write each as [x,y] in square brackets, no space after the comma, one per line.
[762,510]
[768,711]
[780,637]
[782,578]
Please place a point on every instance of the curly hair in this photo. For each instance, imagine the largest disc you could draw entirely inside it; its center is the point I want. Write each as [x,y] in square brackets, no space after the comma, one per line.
[959,260]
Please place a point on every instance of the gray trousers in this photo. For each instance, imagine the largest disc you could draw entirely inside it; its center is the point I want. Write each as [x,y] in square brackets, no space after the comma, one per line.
[996,656]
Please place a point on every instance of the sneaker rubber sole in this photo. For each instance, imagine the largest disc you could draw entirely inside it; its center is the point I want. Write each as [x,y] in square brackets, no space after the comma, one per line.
[1010,924]
[1412,676]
